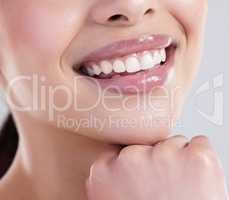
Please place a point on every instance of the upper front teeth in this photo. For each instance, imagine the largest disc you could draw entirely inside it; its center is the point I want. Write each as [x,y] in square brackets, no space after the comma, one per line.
[106,67]
[119,66]
[149,60]
[132,63]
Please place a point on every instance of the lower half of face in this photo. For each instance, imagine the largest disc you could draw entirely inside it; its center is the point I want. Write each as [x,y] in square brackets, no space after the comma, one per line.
[116,71]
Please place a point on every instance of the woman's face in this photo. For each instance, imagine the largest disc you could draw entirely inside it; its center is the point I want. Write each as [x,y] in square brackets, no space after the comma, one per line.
[98,68]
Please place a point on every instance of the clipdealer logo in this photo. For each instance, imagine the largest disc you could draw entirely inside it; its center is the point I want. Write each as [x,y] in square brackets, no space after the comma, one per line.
[215,87]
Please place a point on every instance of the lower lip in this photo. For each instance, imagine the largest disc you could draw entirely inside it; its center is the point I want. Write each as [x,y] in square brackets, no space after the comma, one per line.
[140,82]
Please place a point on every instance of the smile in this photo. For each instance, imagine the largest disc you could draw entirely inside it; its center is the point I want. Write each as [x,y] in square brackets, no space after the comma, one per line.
[131,66]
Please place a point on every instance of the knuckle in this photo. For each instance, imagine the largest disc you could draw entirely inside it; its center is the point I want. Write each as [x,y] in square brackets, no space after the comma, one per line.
[178,140]
[204,162]
[179,137]
[202,156]
[97,168]
[133,154]
[200,139]
[102,164]
[100,173]
[162,154]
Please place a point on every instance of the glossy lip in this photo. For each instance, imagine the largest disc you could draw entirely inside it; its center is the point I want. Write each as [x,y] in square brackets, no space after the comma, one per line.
[140,82]
[126,47]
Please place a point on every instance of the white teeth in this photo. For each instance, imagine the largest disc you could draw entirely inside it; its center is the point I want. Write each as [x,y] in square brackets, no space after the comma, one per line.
[146,60]
[163,55]
[106,67]
[156,57]
[132,65]
[119,66]
[90,71]
[97,70]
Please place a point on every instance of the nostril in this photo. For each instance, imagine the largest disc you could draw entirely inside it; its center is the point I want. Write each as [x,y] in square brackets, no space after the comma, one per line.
[118,17]
[149,11]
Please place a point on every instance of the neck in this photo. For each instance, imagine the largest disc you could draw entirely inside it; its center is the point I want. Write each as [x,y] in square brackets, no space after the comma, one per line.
[55,162]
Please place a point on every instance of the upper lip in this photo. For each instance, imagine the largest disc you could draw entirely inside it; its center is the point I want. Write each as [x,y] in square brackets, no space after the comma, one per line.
[126,47]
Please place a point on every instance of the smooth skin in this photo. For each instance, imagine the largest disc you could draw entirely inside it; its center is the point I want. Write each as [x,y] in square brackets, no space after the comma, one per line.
[54,162]
[46,38]
[174,169]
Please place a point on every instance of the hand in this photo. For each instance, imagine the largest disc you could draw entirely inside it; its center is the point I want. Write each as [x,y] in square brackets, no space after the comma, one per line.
[174,169]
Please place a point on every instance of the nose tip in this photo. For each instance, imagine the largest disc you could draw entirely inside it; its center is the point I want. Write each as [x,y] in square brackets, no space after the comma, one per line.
[120,12]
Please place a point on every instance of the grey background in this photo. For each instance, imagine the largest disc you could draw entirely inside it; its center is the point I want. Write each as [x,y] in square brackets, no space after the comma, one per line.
[215,62]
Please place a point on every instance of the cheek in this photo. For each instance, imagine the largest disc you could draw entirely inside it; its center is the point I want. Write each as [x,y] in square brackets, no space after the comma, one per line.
[42,28]
[190,13]
[42,31]
[38,36]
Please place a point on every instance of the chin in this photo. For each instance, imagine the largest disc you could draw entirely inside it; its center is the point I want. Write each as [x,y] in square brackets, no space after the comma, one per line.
[138,136]
[125,135]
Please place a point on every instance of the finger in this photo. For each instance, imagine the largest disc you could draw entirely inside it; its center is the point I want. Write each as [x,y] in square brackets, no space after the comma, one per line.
[109,155]
[176,142]
[201,149]
[200,141]
[105,159]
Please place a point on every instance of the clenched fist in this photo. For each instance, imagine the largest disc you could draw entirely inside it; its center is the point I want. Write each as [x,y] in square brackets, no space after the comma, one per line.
[174,169]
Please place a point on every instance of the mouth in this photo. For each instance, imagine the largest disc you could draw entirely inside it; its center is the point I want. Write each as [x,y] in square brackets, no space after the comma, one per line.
[131,66]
